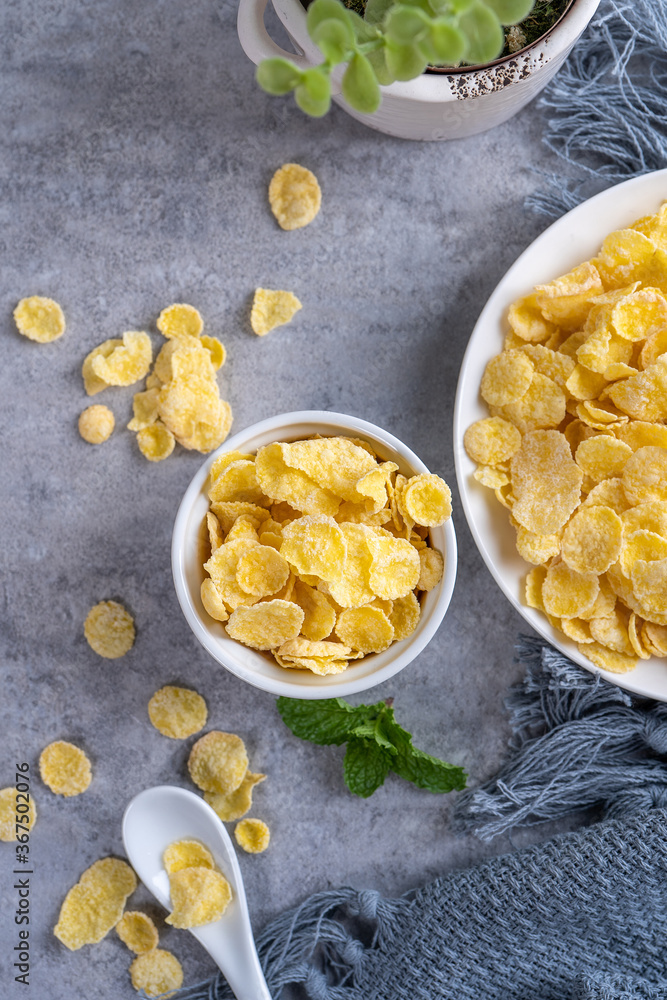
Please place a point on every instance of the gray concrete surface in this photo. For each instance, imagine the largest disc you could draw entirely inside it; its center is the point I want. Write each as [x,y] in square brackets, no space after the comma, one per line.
[135,156]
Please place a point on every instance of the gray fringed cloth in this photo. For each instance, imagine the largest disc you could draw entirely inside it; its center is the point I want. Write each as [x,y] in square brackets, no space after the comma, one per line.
[582,917]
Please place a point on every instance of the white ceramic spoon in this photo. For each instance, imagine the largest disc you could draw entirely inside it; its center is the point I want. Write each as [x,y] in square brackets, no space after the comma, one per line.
[156,818]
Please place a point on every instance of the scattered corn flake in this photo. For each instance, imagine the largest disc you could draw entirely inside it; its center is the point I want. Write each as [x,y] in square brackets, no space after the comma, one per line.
[366,629]
[187,854]
[212,601]
[218,762]
[427,499]
[144,407]
[177,712]
[137,931]
[127,363]
[645,475]
[8,813]
[64,768]
[198,896]
[252,835]
[155,442]
[262,571]
[39,319]
[156,972]
[236,804]
[109,629]
[271,309]
[180,320]
[217,351]
[592,540]
[95,904]
[93,383]
[295,196]
[431,568]
[492,441]
[96,424]
[546,482]
[191,408]
[266,625]
[493,479]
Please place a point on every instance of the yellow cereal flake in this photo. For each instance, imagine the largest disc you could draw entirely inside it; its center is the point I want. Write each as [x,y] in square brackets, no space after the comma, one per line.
[608,659]
[92,382]
[283,483]
[39,319]
[427,499]
[227,513]
[404,615]
[649,581]
[318,611]
[218,762]
[155,442]
[262,571]
[216,350]
[137,931]
[266,625]
[294,196]
[592,540]
[542,406]
[314,546]
[507,378]
[366,629]
[177,712]
[96,424]
[336,464]
[533,587]
[252,835]
[602,457]
[198,896]
[349,580]
[8,813]
[645,475]
[396,567]
[567,593]
[237,483]
[187,854]
[644,395]
[109,629]
[64,768]
[534,548]
[144,406]
[156,972]
[180,320]
[222,568]
[492,441]
[546,482]
[212,601]
[236,804]
[431,568]
[127,363]
[95,904]
[191,408]
[527,322]
[271,309]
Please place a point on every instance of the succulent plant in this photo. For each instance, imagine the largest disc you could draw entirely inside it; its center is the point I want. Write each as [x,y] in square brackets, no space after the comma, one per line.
[394,40]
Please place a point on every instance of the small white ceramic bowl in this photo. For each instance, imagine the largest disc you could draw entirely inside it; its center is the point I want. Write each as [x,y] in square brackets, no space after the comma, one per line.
[188,553]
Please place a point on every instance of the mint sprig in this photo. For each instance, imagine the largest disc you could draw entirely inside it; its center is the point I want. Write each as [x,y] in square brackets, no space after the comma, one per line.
[376,744]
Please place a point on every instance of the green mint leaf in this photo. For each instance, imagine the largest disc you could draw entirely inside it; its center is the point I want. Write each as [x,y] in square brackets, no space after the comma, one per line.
[365,767]
[278,76]
[323,722]
[483,33]
[376,730]
[360,88]
[420,768]
[510,11]
[334,40]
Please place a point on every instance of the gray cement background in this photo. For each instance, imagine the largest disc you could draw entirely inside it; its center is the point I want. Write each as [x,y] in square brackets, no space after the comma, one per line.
[136,152]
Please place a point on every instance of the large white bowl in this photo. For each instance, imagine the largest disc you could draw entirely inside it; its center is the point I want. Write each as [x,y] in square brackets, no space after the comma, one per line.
[260,669]
[434,106]
[574,238]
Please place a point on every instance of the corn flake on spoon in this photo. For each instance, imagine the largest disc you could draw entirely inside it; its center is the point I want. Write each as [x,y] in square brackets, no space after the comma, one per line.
[157,818]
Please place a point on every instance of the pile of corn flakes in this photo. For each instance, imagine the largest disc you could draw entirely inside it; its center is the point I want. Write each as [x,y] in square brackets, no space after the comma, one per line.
[318,550]
[576,445]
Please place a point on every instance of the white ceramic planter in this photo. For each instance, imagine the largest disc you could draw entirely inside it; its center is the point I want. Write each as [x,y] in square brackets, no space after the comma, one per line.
[434,106]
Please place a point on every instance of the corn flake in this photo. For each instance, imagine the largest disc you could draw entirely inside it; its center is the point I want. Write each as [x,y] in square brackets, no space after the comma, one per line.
[431,568]
[427,499]
[236,804]
[144,407]
[8,814]
[295,196]
[546,482]
[187,854]
[155,442]
[93,383]
[39,319]
[319,614]
[366,629]
[262,571]
[95,904]
[109,629]
[404,615]
[252,835]
[218,762]
[592,540]
[645,475]
[567,593]
[212,601]
[137,931]
[64,768]
[266,625]
[396,567]
[198,896]
[156,972]
[177,712]
[96,424]
[271,309]
[125,364]
[180,320]
[282,483]
[216,350]
[492,441]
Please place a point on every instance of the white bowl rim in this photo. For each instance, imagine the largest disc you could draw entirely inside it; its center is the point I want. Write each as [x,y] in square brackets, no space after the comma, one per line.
[439,598]
[577,236]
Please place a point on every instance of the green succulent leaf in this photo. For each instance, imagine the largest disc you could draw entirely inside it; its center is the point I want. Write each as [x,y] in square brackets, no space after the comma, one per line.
[278,76]
[483,32]
[360,87]
[378,61]
[363,31]
[405,62]
[334,39]
[459,6]
[510,11]
[325,10]
[376,10]
[405,25]
[313,95]
[444,44]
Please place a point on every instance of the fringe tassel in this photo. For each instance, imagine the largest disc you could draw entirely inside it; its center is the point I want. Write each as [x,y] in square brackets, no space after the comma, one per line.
[578,743]
[610,104]
[318,944]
